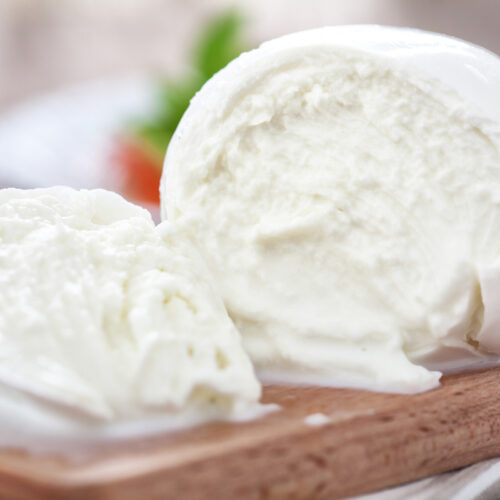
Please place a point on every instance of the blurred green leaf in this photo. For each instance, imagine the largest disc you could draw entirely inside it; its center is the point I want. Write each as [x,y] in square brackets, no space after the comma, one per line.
[219,43]
[172,100]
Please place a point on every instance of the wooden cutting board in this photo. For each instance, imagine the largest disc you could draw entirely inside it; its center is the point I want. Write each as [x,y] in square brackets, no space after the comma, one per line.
[370,441]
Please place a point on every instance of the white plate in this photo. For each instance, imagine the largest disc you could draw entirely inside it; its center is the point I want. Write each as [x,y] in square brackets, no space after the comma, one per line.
[66,137]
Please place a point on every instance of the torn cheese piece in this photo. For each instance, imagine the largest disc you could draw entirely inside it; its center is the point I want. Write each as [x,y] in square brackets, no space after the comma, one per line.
[106,317]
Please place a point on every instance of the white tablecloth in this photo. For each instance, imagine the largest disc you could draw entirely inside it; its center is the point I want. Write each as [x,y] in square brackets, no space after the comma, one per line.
[477,482]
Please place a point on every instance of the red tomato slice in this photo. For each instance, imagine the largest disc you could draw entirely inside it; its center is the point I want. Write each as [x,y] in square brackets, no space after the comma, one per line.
[138,171]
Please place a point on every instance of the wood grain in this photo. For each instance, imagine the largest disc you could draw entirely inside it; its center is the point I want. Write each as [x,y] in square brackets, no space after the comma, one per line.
[372,441]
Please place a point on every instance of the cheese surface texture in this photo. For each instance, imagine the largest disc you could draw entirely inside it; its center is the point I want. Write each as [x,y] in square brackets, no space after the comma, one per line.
[343,185]
[105,317]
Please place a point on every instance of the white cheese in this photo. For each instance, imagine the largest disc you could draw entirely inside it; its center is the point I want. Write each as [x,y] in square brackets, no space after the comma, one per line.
[105,317]
[317,419]
[343,185]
